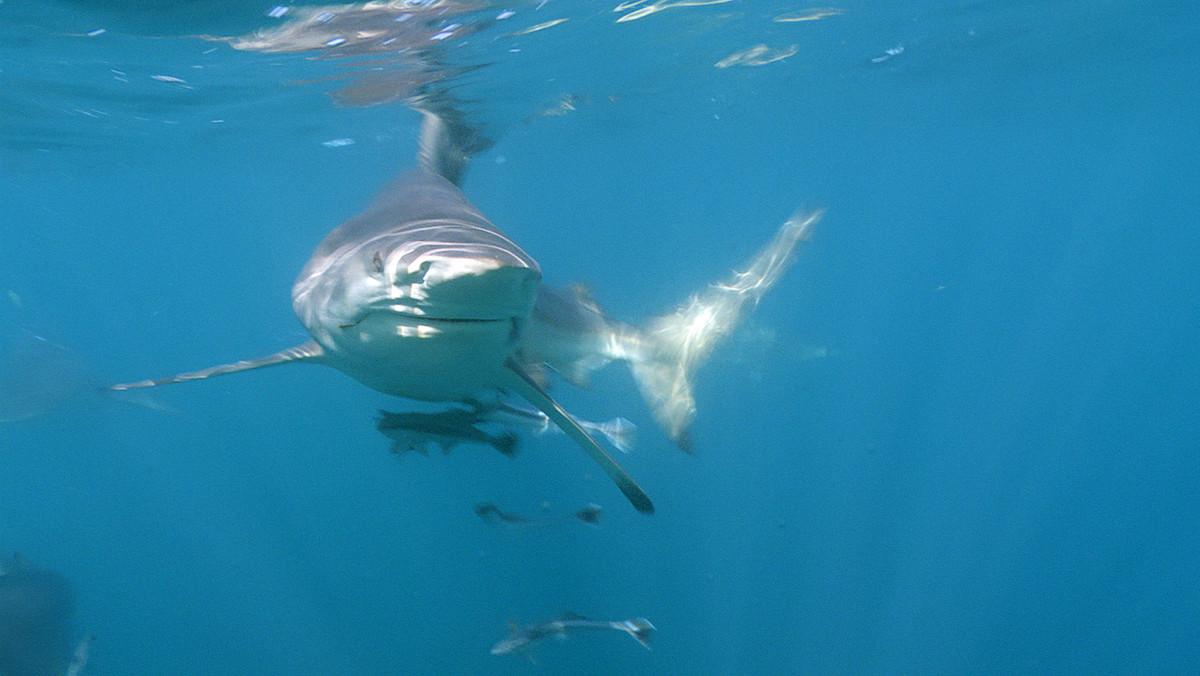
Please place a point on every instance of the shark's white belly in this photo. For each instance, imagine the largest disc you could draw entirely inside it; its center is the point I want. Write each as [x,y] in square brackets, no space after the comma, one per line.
[423,359]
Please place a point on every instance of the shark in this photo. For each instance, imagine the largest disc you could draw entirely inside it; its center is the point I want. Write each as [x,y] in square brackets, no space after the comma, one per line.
[421,297]
[37,622]
[520,638]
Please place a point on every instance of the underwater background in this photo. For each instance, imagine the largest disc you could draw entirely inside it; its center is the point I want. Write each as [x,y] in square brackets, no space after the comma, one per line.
[961,436]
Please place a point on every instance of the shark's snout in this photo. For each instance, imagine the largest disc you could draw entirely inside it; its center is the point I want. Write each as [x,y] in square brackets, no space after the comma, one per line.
[466,283]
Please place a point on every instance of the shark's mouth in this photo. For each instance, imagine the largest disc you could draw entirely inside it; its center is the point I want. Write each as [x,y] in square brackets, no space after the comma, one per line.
[408,324]
[403,313]
[457,320]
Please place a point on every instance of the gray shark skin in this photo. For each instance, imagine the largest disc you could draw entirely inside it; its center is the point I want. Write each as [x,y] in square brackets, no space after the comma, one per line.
[37,622]
[521,638]
[420,296]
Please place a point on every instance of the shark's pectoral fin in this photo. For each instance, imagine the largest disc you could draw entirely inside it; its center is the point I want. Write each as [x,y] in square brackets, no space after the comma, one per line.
[309,351]
[523,384]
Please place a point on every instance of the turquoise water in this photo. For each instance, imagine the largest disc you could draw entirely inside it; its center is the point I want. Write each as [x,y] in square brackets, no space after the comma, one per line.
[993,468]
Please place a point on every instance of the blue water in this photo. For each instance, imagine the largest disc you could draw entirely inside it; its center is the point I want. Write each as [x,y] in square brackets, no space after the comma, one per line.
[995,469]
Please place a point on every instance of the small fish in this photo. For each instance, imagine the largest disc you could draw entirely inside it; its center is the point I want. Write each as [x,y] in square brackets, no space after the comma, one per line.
[521,638]
[445,429]
[490,513]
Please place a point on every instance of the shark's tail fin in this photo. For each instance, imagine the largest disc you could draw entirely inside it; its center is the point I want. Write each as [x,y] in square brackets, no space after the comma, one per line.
[673,346]
[640,629]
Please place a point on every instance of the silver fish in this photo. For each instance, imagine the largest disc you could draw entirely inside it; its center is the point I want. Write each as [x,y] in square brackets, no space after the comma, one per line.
[521,638]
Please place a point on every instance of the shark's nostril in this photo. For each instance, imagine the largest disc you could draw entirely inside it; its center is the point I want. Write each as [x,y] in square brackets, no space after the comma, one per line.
[416,272]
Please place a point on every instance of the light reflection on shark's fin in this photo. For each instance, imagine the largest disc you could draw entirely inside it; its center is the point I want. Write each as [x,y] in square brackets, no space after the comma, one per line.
[621,433]
[523,384]
[640,629]
[309,351]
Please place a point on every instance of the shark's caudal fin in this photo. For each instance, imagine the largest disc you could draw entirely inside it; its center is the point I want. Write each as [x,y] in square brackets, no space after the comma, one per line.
[309,351]
[675,345]
[640,629]
[524,384]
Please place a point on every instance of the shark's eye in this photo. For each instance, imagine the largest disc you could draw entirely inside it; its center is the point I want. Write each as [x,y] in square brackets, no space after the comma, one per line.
[377,260]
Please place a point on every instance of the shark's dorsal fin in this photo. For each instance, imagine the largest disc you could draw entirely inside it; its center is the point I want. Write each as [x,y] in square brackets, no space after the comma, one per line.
[447,143]
[309,351]
[524,384]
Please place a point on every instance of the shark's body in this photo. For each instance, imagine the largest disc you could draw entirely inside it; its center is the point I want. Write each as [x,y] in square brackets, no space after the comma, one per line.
[521,638]
[420,296]
[37,633]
